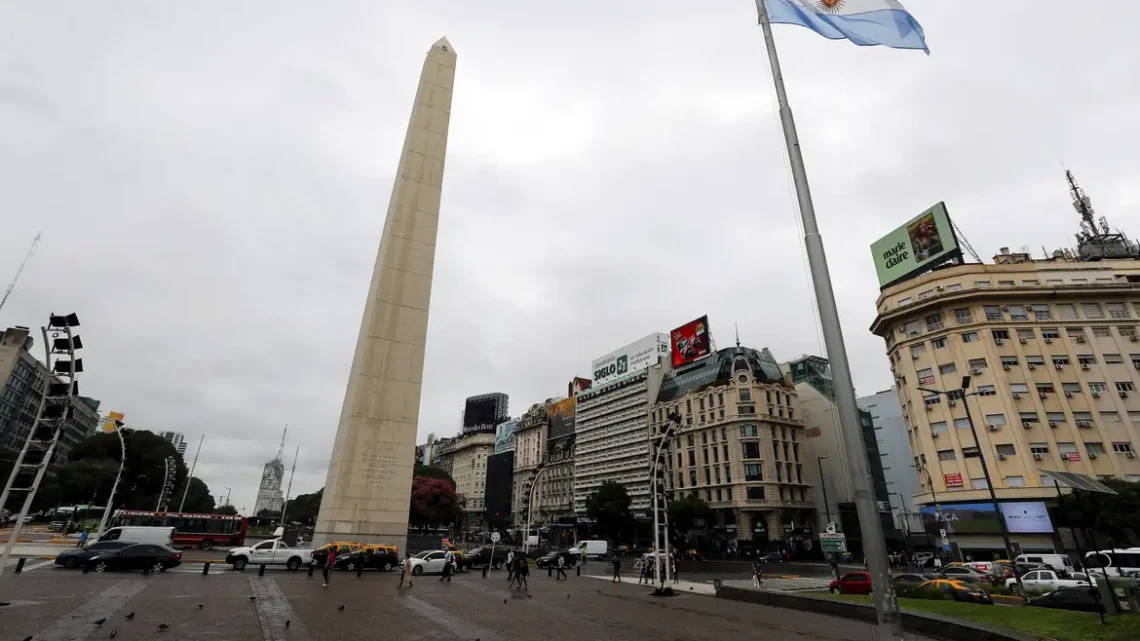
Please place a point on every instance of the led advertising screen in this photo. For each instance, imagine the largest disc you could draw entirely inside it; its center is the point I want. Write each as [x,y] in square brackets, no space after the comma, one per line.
[691,342]
[1027,518]
[561,417]
[925,240]
[980,518]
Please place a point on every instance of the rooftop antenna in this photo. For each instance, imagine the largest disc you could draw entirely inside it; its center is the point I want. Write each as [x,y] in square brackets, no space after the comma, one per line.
[965,243]
[1083,205]
[281,449]
[12,285]
[737,328]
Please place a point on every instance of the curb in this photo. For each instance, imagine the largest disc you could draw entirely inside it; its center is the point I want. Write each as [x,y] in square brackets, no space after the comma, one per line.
[931,625]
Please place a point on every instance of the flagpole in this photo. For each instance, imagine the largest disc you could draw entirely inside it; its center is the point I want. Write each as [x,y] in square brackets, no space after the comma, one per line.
[870,525]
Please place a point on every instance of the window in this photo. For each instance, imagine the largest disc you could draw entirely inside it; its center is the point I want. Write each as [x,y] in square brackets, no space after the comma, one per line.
[1039,448]
[1098,387]
[1082,416]
[1045,388]
[1007,449]
[977,363]
[904,301]
[933,322]
[1055,417]
[1060,359]
[1086,359]
[946,455]
[753,472]
[978,484]
[1113,359]
[1006,283]
[1123,448]
[1135,360]
[1075,332]
[692,478]
[1071,388]
[1092,310]
[750,450]
[938,428]
[1066,448]
[924,374]
[745,395]
[956,287]
[1019,388]
[1094,448]
[970,337]
[1102,331]
[1028,417]
[1034,360]
[755,494]
[983,283]
[1042,313]
[925,294]
[1117,310]
[1015,481]
[913,328]
[1125,386]
[1050,333]
[986,390]
[963,423]
[962,315]
[1017,312]
[1000,334]
[1067,311]
[938,343]
[749,431]
[1134,417]
[971,452]
[1008,361]
[1110,417]
[996,420]
[993,312]
[947,368]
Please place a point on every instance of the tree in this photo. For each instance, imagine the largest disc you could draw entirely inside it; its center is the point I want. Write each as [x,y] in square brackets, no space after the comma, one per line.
[144,471]
[608,506]
[684,514]
[226,509]
[432,472]
[434,503]
[303,508]
[268,514]
[198,498]
[1117,515]
[86,481]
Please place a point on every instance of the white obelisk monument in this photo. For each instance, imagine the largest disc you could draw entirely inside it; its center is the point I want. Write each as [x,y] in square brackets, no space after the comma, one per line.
[369,482]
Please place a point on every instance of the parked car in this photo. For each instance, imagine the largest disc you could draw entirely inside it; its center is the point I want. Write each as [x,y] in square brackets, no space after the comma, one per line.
[140,534]
[909,579]
[156,558]
[369,557]
[1049,580]
[852,583]
[320,555]
[429,562]
[78,557]
[1072,598]
[772,557]
[964,573]
[271,552]
[550,559]
[593,548]
[481,556]
[1059,562]
[957,590]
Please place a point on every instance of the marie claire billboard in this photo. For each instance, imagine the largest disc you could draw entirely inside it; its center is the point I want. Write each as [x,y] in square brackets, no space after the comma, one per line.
[632,358]
[923,242]
[691,341]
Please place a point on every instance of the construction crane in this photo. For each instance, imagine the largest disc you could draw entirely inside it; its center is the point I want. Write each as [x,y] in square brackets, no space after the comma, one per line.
[12,285]
[965,243]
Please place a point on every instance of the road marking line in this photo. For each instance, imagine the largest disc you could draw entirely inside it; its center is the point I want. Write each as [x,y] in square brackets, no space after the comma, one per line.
[458,627]
[80,623]
[273,611]
[39,565]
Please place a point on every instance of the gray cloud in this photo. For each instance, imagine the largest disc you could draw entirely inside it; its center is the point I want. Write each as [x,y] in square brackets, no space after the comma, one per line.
[211,181]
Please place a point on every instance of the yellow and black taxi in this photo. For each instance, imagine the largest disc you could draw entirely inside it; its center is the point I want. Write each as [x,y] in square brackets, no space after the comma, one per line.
[369,557]
[321,554]
[957,590]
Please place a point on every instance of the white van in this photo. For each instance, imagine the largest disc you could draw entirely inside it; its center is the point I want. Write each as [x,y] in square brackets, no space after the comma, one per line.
[139,534]
[588,549]
[1118,562]
[1059,562]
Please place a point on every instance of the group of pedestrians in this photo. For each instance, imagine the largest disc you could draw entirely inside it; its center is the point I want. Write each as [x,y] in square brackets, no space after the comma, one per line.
[517,570]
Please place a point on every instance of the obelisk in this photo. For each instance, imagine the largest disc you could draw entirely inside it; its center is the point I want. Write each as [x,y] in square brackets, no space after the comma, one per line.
[369,484]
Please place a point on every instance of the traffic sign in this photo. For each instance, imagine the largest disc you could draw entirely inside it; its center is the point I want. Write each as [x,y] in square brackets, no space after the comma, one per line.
[495,536]
[942,533]
[831,528]
[833,542]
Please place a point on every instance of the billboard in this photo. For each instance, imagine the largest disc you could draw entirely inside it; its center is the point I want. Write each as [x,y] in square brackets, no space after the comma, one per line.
[980,518]
[484,410]
[923,241]
[691,341]
[561,418]
[505,435]
[632,358]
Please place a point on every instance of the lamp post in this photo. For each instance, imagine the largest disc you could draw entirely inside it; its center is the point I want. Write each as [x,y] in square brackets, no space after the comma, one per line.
[657,486]
[826,509]
[962,394]
[905,524]
[117,428]
[933,492]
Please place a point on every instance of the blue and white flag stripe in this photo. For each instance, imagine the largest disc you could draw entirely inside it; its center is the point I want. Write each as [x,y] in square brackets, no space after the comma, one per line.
[864,22]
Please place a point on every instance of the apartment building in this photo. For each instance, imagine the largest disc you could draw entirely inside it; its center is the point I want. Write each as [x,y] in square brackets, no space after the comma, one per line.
[530,445]
[468,456]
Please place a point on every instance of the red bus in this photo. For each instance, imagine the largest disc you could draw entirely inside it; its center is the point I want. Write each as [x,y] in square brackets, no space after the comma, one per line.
[190,530]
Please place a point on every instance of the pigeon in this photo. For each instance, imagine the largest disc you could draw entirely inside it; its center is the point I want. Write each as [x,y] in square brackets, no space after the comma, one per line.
[252,598]
[113,633]
[130,616]
[200,606]
[287,622]
[100,621]
[504,600]
[162,626]
[341,608]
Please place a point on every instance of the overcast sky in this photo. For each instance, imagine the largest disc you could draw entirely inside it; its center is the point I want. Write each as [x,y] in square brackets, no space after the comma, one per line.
[211,181]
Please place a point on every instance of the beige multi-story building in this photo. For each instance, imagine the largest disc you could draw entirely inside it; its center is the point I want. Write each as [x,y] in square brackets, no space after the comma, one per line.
[468,455]
[530,446]
[1053,353]
[740,446]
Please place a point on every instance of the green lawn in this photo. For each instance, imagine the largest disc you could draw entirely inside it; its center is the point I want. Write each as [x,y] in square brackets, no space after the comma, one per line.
[1056,624]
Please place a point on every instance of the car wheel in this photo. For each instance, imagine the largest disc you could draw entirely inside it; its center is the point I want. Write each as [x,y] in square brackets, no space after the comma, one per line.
[240,563]
[69,563]
[101,566]
[387,567]
[294,564]
[158,566]
[350,566]
[206,545]
[418,570]
[835,590]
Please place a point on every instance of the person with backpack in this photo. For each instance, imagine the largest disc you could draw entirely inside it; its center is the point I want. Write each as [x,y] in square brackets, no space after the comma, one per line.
[561,568]
[522,570]
[617,571]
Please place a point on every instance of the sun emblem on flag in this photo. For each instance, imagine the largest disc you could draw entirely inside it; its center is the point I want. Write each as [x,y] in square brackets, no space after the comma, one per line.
[830,6]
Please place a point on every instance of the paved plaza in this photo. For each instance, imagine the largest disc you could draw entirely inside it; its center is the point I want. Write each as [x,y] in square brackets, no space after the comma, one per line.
[56,605]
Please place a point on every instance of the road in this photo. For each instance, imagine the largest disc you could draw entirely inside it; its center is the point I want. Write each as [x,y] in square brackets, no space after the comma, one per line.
[290,606]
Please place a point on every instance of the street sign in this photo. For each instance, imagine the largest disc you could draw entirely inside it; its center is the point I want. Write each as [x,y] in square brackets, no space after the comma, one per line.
[833,542]
[831,528]
[495,536]
[942,533]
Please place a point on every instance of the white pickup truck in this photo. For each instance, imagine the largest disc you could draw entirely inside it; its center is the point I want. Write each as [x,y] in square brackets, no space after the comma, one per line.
[1050,580]
[272,552]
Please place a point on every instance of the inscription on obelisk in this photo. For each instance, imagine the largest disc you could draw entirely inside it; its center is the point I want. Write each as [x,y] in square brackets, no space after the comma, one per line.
[369,482]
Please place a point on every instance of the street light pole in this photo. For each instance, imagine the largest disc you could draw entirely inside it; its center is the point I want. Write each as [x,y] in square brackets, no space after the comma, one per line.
[827,510]
[118,429]
[962,394]
[228,490]
[656,488]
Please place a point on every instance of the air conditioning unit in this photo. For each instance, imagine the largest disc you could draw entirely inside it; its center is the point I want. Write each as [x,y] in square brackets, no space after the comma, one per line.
[1029,308]
[1093,455]
[938,288]
[992,428]
[1005,366]
[934,434]
[1124,395]
[1032,366]
[951,402]
[914,357]
[929,407]
[1133,338]
[976,370]
[1001,457]
[1023,340]
[1080,339]
[1084,366]
[999,341]
[1016,395]
[1130,454]
[1026,424]
[1038,457]
[1064,456]
[1048,340]
[1042,394]
[1095,394]
[1052,423]
[1060,365]
[1084,424]
[1068,394]
[1005,308]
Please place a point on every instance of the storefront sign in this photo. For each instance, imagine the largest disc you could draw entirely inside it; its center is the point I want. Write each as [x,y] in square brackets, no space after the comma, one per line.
[953,480]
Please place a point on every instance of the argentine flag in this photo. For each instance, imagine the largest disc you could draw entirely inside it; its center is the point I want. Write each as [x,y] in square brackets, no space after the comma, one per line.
[864,22]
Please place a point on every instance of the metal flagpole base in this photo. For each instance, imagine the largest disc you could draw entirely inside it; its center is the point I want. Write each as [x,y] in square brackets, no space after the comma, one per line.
[663,592]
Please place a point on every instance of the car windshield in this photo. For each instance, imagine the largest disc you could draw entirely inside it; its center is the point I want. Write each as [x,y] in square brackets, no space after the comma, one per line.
[422,555]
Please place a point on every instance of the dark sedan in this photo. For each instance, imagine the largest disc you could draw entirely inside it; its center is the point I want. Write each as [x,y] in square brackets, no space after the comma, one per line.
[481,556]
[151,558]
[772,557]
[1078,599]
[550,559]
[368,558]
[76,557]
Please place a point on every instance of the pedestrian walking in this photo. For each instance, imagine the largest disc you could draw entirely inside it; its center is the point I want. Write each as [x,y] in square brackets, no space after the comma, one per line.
[510,567]
[673,566]
[522,569]
[448,564]
[937,564]
[617,571]
[644,576]
[561,568]
[82,539]
[329,560]
[406,572]
[756,573]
